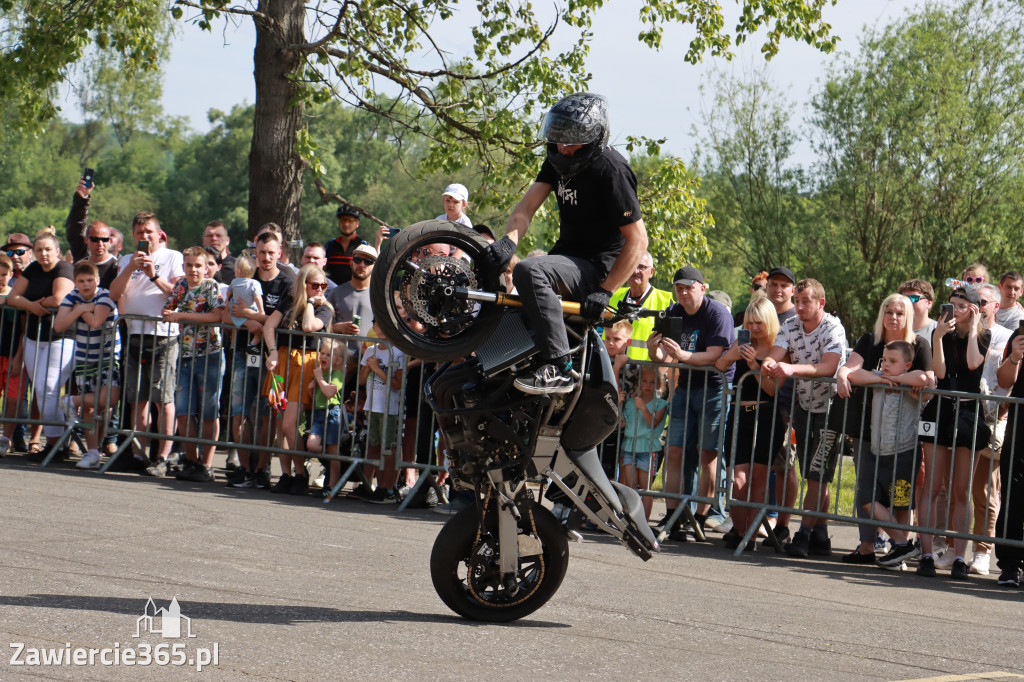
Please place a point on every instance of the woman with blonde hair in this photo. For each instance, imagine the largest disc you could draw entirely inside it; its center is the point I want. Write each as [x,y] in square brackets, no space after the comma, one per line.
[895,322]
[754,429]
[49,355]
[293,354]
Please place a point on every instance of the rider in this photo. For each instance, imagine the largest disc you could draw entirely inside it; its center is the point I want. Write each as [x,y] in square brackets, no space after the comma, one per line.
[600,243]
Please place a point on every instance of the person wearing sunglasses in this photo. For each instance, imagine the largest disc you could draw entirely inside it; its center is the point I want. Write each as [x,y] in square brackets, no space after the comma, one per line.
[921,296]
[291,361]
[758,283]
[975,275]
[19,249]
[90,241]
[351,300]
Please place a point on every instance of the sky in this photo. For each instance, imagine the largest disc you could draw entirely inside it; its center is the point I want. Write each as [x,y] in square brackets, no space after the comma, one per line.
[651,93]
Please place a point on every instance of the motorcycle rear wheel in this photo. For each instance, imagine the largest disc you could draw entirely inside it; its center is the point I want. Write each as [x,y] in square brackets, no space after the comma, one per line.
[464,565]
[408,289]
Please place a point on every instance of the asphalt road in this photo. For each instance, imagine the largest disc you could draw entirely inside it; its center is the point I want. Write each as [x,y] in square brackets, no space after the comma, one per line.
[290,589]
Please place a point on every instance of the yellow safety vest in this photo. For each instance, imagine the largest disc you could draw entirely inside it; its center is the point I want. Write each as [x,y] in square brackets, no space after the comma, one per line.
[642,328]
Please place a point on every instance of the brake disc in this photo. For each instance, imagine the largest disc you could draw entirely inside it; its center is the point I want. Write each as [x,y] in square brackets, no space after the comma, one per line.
[431,289]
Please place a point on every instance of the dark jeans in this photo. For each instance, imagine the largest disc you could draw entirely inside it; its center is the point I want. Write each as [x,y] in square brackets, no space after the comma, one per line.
[540,281]
[1010,523]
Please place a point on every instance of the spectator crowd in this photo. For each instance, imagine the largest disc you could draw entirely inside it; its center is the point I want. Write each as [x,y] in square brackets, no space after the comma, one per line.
[201,347]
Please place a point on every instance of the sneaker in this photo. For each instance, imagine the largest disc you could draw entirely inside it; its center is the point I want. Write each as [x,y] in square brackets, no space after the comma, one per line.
[821,547]
[545,379]
[157,469]
[382,496]
[19,444]
[283,485]
[959,570]
[239,478]
[926,567]
[91,460]
[980,563]
[881,542]
[732,539]
[944,557]
[781,534]
[857,557]
[232,462]
[899,554]
[459,502]
[431,499]
[5,446]
[800,546]
[361,491]
[723,527]
[901,566]
[200,473]
[185,470]
[299,486]
[262,479]
[1010,577]
[403,492]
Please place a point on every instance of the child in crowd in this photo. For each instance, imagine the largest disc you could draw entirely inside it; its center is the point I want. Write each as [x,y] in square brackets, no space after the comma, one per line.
[328,417]
[643,419]
[247,290]
[887,473]
[456,201]
[195,301]
[92,315]
[10,355]
[383,401]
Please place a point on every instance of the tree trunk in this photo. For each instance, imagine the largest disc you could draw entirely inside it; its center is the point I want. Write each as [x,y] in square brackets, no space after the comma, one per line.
[275,171]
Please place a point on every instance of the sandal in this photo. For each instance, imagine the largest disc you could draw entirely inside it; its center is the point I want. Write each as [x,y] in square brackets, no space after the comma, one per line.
[35,447]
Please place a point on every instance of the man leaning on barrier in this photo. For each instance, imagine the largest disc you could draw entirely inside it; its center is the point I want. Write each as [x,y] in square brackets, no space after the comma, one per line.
[809,346]
[145,279]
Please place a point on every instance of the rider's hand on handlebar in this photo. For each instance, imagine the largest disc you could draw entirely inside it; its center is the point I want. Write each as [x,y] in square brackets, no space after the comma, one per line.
[593,306]
[497,256]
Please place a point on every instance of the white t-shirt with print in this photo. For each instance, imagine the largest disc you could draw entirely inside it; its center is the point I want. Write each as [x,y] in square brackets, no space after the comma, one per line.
[142,297]
[808,348]
[378,393]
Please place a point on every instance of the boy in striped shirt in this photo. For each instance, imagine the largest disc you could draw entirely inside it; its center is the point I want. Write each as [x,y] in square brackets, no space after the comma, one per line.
[89,311]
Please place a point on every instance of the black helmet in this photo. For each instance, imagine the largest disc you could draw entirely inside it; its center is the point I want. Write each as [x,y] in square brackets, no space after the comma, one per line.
[580,118]
[345,209]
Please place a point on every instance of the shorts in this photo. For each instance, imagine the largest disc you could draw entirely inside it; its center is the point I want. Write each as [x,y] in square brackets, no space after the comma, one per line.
[326,423]
[10,384]
[758,431]
[695,420]
[640,460]
[246,380]
[297,372]
[150,369]
[199,384]
[378,424]
[97,377]
[957,422]
[816,446]
[888,480]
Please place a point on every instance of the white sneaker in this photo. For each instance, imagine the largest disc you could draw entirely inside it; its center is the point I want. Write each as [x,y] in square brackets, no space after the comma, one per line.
[723,527]
[944,557]
[980,563]
[90,460]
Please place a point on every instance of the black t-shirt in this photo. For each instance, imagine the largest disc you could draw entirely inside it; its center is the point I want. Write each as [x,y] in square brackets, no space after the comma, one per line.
[872,353]
[301,341]
[275,292]
[1017,390]
[40,285]
[227,269]
[592,205]
[339,259]
[958,376]
[108,272]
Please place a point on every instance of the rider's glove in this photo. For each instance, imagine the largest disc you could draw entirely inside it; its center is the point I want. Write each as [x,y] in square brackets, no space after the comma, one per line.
[594,304]
[496,257]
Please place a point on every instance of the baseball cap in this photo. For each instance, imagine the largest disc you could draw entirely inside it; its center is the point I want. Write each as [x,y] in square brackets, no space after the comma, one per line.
[486,231]
[345,209]
[688,276]
[785,272]
[970,294]
[17,239]
[365,250]
[457,191]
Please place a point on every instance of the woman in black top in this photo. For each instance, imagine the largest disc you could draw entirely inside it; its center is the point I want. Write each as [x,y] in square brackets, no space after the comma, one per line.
[305,312]
[754,428]
[959,346]
[49,356]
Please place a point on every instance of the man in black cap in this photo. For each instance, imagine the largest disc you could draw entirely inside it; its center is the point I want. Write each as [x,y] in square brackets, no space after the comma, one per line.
[705,333]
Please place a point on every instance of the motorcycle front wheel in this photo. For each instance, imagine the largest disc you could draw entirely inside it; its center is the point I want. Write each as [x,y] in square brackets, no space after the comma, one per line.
[413,291]
[464,565]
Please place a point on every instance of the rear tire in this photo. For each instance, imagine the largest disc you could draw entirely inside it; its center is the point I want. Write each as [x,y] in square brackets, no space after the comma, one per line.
[469,583]
[452,328]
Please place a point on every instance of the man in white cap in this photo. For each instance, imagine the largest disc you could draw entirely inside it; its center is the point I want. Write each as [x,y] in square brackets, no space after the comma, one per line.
[456,201]
[351,300]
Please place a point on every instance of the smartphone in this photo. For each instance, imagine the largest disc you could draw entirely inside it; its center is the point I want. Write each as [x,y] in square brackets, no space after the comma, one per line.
[392,231]
[743,337]
[670,327]
[1020,326]
[87,177]
[144,245]
[946,311]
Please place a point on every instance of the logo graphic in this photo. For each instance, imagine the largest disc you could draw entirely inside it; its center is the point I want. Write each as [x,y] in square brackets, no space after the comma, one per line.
[170,621]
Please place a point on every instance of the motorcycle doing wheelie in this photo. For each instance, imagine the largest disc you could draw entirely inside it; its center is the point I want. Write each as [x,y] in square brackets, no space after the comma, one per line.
[504,557]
